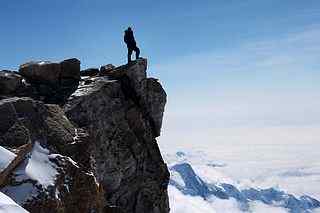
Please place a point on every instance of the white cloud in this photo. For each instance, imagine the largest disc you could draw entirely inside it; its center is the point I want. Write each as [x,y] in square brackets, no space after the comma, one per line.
[180,203]
[259,207]
[262,84]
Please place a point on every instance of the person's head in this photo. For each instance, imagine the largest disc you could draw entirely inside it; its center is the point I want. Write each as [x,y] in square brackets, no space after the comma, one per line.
[129,29]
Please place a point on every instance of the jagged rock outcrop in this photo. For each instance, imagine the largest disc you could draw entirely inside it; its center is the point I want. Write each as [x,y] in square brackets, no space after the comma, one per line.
[116,112]
[94,144]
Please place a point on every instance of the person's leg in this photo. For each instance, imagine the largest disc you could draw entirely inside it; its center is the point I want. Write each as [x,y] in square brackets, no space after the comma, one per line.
[129,54]
[137,50]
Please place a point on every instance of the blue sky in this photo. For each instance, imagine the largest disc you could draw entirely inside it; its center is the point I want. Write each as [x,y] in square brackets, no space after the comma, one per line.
[224,64]
[165,30]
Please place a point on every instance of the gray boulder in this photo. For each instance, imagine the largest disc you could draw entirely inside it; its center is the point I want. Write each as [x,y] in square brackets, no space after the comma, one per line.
[10,82]
[43,71]
[50,82]
[49,72]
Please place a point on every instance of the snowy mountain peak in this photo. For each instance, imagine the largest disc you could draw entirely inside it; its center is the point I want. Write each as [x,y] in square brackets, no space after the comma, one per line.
[190,184]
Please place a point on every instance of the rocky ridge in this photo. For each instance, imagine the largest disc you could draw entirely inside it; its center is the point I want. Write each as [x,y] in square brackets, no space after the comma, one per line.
[82,141]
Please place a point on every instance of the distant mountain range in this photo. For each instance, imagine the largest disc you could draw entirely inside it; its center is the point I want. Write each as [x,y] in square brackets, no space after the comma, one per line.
[185,179]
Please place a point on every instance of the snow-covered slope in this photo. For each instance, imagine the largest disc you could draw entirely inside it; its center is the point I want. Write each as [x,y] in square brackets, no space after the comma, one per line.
[212,192]
[6,157]
[7,205]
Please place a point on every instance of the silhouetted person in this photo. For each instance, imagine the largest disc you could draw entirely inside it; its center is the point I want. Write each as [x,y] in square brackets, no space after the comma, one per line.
[131,43]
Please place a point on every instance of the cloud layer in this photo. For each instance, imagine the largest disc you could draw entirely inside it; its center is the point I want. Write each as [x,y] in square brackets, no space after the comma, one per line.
[266,84]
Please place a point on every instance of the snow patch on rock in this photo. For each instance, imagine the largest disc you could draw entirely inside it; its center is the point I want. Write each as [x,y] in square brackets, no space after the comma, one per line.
[175,176]
[6,157]
[40,168]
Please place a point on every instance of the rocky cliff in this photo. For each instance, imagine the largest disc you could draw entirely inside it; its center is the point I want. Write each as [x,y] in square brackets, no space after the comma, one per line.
[74,141]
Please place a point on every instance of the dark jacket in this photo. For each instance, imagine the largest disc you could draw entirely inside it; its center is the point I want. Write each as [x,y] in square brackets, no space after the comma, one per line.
[129,38]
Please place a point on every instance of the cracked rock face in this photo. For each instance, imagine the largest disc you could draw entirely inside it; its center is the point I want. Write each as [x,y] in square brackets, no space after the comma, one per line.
[95,150]
[122,112]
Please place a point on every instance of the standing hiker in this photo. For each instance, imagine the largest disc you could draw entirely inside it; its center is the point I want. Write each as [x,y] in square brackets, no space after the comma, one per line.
[131,43]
